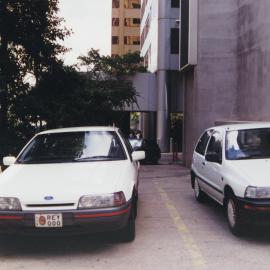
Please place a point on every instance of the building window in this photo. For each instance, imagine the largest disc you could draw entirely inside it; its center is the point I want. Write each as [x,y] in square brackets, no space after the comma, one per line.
[115,3]
[132,22]
[175,3]
[128,40]
[115,21]
[132,4]
[115,40]
[136,21]
[174,40]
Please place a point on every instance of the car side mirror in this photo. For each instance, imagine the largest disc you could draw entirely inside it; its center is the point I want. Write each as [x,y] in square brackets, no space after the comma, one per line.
[212,157]
[138,155]
[7,161]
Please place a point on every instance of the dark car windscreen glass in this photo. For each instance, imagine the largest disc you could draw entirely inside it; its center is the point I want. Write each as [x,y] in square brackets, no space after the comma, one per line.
[248,144]
[73,147]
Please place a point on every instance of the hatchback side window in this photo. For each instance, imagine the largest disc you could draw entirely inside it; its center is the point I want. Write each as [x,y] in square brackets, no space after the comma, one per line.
[202,143]
[215,145]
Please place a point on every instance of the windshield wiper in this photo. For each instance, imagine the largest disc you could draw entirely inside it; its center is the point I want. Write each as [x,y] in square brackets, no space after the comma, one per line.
[45,161]
[91,158]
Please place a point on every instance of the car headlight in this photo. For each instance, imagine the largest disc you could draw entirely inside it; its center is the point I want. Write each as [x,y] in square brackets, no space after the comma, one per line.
[257,192]
[102,201]
[9,204]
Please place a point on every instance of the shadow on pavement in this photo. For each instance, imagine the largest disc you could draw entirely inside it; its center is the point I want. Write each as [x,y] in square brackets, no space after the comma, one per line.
[56,244]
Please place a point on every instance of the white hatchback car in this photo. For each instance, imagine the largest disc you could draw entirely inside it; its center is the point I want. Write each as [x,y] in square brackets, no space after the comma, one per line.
[79,178]
[231,164]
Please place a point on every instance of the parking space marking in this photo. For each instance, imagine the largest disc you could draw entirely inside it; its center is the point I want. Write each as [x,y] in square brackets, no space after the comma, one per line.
[189,242]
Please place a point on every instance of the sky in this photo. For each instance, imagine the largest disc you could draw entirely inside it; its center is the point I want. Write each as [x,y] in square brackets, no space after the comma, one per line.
[90,21]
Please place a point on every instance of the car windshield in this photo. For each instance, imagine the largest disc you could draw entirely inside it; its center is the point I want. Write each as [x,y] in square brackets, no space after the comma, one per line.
[73,147]
[248,144]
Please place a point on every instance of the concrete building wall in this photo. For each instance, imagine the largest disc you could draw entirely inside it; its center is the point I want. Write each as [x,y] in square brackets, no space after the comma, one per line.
[145,85]
[166,60]
[253,96]
[190,129]
[149,44]
[231,80]
[162,18]
[211,86]
[158,18]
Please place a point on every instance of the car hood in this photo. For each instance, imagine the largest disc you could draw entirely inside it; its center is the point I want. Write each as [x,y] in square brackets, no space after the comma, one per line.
[65,182]
[256,172]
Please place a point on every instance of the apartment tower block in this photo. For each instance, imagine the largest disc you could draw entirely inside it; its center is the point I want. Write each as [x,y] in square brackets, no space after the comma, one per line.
[125,26]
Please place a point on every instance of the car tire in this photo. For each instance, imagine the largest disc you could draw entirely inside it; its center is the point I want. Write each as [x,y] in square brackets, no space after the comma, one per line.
[136,198]
[128,233]
[233,215]
[199,194]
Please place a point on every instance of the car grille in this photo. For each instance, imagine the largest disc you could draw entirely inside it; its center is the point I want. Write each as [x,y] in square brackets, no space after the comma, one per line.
[50,205]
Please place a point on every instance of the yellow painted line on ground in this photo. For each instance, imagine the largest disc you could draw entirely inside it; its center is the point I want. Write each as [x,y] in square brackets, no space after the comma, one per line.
[189,242]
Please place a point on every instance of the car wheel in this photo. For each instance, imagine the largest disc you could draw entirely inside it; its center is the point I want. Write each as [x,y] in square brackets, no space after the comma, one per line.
[199,194]
[233,216]
[136,205]
[128,233]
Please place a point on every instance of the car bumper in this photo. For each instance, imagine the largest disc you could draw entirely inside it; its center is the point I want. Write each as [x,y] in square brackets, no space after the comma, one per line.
[92,221]
[255,211]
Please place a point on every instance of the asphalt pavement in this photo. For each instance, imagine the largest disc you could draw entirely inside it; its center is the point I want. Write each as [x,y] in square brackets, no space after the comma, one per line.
[173,232]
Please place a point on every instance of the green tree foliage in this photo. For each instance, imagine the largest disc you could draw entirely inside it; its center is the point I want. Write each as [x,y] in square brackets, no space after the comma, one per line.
[67,97]
[58,100]
[30,31]
[108,78]
[114,67]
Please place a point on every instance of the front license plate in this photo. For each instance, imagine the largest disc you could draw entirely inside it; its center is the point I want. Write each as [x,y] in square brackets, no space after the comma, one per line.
[48,220]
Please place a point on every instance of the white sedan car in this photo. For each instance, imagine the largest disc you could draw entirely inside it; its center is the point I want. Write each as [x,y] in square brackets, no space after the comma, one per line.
[79,178]
[231,164]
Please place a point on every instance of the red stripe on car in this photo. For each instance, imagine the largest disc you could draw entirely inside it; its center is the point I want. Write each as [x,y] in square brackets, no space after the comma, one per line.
[102,214]
[11,217]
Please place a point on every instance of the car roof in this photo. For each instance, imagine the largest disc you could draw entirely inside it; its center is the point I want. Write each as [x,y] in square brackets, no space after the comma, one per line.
[80,129]
[242,125]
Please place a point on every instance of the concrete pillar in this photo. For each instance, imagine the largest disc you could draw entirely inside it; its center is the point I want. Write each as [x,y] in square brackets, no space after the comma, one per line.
[148,125]
[141,122]
[162,111]
[152,126]
[144,124]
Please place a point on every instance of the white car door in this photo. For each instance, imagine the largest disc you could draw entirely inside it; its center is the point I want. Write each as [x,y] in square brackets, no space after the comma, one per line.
[213,169]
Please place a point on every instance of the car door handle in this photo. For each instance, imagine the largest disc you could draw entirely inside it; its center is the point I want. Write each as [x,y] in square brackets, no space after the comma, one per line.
[203,163]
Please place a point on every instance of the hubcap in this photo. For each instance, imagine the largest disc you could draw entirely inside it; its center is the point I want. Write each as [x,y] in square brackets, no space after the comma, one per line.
[231,212]
[196,188]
